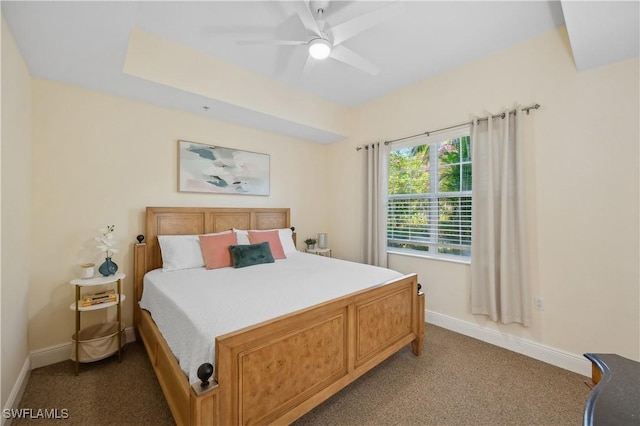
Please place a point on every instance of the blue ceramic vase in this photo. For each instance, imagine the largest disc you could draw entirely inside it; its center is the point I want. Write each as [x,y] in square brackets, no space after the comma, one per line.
[108,267]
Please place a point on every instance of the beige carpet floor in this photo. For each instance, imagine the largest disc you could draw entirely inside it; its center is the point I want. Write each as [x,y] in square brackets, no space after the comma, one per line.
[457,381]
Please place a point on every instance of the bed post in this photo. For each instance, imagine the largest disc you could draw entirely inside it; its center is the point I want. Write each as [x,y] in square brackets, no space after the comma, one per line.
[139,269]
[418,343]
[204,405]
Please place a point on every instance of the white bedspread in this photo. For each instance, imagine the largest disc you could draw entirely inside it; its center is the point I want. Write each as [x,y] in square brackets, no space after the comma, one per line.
[193,306]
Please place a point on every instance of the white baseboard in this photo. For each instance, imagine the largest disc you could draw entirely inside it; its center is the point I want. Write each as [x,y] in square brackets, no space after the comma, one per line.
[18,390]
[548,354]
[59,353]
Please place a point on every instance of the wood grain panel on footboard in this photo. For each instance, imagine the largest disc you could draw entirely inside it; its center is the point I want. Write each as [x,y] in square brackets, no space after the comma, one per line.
[382,322]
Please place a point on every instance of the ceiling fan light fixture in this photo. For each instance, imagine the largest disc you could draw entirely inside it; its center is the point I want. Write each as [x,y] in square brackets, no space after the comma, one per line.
[319,48]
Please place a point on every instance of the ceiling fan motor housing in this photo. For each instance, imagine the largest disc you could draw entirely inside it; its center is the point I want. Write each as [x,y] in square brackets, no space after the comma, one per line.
[319,48]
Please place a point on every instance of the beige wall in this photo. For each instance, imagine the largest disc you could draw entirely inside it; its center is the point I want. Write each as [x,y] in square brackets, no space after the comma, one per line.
[582,181]
[100,159]
[15,155]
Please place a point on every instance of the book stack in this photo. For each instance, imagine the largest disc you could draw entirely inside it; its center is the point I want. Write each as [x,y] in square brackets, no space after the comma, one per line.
[97,298]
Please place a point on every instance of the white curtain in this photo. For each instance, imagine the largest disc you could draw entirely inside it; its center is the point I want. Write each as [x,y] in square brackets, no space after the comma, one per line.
[375,216]
[499,277]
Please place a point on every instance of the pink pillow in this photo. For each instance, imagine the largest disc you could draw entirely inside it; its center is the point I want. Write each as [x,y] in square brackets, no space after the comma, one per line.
[273,238]
[215,249]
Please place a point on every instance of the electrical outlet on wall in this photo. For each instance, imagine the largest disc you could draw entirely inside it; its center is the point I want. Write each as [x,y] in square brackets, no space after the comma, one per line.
[539,303]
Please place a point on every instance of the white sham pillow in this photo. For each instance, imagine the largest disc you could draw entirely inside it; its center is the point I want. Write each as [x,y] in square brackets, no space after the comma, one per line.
[243,236]
[181,251]
[286,239]
[285,234]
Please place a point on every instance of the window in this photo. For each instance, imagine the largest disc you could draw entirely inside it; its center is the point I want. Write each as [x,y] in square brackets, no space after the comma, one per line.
[429,198]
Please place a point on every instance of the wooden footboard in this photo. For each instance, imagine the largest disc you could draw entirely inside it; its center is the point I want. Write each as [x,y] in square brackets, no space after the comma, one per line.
[276,371]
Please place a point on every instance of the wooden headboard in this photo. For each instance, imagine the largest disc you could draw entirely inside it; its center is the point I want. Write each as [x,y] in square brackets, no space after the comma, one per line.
[205,220]
[195,221]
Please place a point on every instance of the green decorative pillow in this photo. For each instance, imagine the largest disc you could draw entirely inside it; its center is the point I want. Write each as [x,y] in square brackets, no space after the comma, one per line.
[252,254]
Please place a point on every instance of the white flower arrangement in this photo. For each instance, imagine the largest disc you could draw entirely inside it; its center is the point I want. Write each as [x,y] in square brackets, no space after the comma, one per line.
[105,241]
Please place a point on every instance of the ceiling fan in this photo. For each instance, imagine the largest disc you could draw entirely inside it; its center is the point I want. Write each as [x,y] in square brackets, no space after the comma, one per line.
[325,41]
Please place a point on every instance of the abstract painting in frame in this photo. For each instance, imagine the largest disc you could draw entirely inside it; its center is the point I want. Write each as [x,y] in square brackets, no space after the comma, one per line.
[219,170]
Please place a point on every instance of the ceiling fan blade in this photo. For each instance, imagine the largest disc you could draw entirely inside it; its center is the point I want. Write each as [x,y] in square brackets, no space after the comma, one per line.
[274,42]
[355,26]
[306,16]
[308,66]
[350,57]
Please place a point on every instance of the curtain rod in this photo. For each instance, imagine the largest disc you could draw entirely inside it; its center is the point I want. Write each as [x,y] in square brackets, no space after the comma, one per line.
[513,111]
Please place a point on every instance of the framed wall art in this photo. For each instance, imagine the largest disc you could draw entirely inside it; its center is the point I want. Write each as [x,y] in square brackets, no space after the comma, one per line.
[219,170]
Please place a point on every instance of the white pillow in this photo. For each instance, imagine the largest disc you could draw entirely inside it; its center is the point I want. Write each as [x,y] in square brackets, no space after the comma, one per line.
[181,251]
[285,234]
[243,236]
[286,239]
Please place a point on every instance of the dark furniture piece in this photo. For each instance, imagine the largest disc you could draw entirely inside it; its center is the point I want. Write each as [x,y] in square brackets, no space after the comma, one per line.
[615,400]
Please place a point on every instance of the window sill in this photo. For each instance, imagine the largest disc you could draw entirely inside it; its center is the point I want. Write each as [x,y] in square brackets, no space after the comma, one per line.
[464,261]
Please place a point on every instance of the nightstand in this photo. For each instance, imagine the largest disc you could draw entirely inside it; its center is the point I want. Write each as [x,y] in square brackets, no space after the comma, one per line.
[319,251]
[98,341]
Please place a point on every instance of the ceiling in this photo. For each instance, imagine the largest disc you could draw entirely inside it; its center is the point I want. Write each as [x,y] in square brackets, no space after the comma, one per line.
[89,44]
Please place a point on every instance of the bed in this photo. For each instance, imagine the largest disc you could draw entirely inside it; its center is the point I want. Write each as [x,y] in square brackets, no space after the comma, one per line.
[276,370]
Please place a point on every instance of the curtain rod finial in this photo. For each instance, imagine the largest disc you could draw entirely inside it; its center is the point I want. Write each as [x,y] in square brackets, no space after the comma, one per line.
[534,106]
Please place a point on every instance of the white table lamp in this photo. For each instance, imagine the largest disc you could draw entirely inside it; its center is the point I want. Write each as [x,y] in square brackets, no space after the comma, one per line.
[322,240]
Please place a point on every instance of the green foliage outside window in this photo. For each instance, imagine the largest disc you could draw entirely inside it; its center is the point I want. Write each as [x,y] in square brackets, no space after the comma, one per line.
[428,215]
